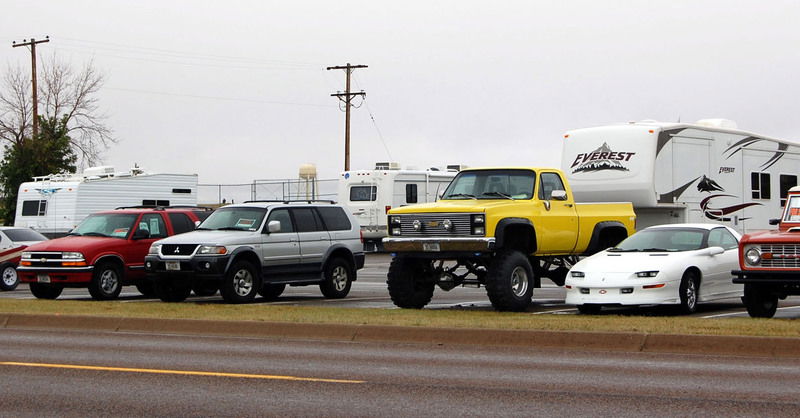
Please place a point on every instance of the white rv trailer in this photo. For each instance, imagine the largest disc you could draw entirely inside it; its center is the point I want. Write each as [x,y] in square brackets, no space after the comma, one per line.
[708,171]
[369,194]
[57,203]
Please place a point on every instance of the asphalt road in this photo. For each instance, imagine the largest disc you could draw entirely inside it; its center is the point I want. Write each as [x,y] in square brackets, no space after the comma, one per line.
[369,291]
[47,373]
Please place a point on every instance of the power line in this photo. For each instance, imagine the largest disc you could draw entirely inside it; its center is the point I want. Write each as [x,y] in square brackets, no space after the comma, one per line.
[195,96]
[375,124]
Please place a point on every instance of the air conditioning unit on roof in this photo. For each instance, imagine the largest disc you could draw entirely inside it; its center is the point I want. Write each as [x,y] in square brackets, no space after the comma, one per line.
[387,166]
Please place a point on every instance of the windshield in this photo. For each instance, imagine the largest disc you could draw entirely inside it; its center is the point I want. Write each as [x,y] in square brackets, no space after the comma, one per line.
[792,210]
[115,225]
[492,184]
[24,234]
[664,239]
[243,219]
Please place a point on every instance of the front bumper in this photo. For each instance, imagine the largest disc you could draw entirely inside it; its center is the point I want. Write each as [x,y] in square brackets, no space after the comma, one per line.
[612,294]
[766,277]
[55,275]
[204,267]
[438,244]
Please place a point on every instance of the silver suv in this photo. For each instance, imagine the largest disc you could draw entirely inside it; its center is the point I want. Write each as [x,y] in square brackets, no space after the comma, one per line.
[260,247]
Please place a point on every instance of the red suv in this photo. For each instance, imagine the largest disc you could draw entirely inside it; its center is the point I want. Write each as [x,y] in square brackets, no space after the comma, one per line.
[105,252]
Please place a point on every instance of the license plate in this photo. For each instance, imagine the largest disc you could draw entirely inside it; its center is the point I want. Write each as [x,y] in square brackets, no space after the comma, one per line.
[430,246]
[173,265]
[43,278]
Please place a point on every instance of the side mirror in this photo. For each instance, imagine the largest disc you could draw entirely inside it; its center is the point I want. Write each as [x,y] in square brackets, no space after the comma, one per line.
[774,221]
[558,195]
[141,234]
[712,251]
[274,226]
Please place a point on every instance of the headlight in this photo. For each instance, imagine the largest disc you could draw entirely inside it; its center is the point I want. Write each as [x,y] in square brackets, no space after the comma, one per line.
[578,274]
[26,254]
[212,249]
[71,256]
[753,256]
[394,220]
[155,248]
[394,225]
[478,223]
[641,274]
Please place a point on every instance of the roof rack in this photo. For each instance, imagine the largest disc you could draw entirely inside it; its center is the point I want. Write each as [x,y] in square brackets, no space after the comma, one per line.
[292,201]
[158,207]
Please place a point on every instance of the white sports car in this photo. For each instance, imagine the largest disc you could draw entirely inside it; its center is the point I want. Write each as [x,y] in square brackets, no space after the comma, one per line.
[666,264]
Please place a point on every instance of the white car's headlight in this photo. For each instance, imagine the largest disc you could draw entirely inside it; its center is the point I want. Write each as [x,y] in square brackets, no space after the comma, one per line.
[155,249]
[753,256]
[212,250]
[577,274]
[652,273]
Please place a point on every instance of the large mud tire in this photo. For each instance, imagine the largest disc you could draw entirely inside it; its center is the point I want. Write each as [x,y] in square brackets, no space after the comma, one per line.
[410,282]
[509,282]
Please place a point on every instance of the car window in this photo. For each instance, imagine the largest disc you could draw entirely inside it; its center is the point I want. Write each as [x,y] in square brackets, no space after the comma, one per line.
[307,220]
[154,223]
[180,222]
[282,216]
[335,219]
[549,182]
[24,234]
[721,237]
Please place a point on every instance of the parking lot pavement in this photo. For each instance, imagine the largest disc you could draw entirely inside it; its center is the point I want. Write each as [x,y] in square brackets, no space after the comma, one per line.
[369,291]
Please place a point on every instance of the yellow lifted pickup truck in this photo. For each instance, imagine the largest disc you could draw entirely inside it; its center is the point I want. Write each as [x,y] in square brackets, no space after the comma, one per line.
[503,228]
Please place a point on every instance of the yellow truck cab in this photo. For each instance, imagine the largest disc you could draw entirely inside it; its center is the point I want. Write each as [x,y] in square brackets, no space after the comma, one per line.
[502,228]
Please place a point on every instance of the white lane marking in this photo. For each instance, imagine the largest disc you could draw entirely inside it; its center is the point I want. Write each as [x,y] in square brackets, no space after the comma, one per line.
[745,312]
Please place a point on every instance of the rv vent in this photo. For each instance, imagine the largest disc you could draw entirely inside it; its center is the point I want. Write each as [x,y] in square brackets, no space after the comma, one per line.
[101,171]
[387,166]
[456,167]
[717,123]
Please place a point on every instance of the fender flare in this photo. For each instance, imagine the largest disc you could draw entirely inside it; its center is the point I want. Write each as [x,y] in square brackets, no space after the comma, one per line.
[235,254]
[500,231]
[594,242]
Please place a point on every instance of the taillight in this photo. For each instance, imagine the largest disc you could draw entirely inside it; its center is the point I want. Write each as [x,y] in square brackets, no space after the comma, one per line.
[387,208]
[361,235]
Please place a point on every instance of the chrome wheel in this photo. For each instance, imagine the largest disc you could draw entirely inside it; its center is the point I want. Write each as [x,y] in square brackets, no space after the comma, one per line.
[339,278]
[691,294]
[243,282]
[519,281]
[10,276]
[109,281]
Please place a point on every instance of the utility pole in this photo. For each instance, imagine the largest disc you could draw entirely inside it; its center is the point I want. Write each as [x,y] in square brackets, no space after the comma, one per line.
[346,98]
[32,43]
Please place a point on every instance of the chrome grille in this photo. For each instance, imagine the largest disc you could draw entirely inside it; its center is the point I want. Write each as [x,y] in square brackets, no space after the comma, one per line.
[783,255]
[431,224]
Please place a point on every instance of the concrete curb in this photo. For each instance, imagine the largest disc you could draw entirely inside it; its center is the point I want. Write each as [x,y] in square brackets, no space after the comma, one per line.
[785,347]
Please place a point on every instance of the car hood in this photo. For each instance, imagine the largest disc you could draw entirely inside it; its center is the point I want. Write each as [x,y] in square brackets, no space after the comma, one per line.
[465,205]
[618,262]
[79,244]
[212,237]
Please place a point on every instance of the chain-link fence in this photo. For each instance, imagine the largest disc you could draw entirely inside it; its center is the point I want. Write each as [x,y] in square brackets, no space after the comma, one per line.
[289,189]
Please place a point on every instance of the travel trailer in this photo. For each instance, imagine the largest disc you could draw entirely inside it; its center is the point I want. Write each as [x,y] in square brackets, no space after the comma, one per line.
[57,203]
[369,194]
[708,171]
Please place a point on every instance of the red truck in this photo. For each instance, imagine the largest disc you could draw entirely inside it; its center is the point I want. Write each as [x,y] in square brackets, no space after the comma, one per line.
[105,252]
[769,261]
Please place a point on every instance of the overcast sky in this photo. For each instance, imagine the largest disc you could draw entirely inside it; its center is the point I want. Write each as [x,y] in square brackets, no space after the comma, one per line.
[237,90]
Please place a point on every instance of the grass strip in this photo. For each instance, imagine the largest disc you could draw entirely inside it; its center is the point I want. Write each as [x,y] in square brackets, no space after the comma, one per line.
[450,318]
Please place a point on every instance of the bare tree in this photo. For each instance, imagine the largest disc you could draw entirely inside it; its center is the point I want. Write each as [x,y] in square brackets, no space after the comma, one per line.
[63,94]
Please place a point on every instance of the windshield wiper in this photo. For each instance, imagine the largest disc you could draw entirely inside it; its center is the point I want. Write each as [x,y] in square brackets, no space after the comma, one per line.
[75,233]
[501,194]
[654,250]
[461,195]
[93,234]
[229,228]
[622,250]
